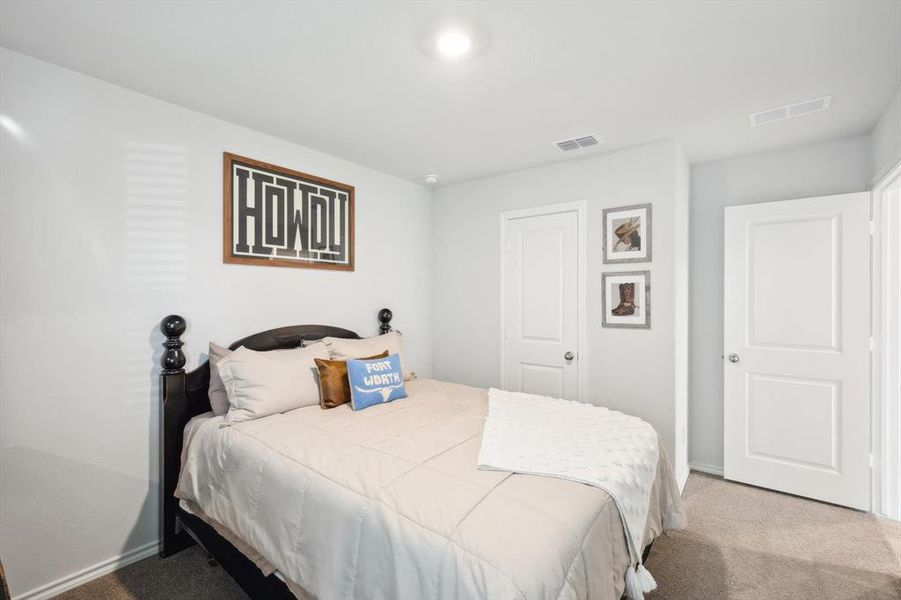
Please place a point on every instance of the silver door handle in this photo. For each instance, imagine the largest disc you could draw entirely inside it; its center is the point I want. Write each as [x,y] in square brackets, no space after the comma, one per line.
[734,358]
[569,356]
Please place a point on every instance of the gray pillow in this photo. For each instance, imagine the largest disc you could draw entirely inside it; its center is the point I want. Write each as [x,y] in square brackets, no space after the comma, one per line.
[218,395]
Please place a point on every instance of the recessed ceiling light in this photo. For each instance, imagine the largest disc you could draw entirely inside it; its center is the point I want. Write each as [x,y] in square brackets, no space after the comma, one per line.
[453,43]
[430,179]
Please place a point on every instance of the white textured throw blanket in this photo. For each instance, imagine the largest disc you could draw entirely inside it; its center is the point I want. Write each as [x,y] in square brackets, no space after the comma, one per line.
[618,453]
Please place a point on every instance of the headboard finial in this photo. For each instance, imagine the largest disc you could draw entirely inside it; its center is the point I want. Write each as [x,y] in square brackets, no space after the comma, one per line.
[385,316]
[173,359]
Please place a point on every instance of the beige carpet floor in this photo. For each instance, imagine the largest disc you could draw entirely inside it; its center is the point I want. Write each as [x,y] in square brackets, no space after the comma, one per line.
[741,543]
[745,543]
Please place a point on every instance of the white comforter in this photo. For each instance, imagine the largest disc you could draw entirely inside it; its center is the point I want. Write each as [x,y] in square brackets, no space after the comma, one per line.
[388,502]
[538,435]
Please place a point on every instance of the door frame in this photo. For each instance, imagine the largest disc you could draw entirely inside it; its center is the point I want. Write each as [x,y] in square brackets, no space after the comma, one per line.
[580,207]
[886,434]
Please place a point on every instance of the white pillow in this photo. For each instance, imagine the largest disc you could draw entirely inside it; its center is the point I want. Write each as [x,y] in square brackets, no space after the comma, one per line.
[393,341]
[259,384]
[218,395]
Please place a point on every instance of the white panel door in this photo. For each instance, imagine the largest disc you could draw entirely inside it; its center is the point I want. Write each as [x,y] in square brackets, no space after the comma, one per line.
[540,304]
[796,347]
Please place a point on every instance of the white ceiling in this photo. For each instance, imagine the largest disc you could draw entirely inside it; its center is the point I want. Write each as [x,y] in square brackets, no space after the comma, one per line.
[354,80]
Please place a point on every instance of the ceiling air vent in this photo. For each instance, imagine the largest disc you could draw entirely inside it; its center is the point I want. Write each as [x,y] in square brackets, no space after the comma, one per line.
[568,145]
[780,113]
[576,143]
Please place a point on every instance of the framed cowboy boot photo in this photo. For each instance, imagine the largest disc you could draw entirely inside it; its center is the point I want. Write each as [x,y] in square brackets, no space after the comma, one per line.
[626,306]
[626,299]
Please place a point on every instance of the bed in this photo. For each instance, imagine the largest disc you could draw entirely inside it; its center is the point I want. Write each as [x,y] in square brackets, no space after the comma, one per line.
[382,503]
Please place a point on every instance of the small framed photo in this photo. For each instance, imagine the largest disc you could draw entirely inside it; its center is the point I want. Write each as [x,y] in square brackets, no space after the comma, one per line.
[626,299]
[627,234]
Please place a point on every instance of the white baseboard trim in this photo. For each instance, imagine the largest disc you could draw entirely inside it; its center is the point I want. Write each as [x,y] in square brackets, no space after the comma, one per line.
[888,517]
[64,584]
[709,469]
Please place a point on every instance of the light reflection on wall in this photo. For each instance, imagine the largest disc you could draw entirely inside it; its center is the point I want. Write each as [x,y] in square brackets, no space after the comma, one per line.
[156,230]
[13,128]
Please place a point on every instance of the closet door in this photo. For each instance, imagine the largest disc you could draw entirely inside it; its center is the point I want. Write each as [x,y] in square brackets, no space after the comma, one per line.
[797,347]
[540,304]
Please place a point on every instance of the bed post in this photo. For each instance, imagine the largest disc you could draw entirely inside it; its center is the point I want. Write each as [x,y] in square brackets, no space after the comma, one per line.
[173,416]
[385,316]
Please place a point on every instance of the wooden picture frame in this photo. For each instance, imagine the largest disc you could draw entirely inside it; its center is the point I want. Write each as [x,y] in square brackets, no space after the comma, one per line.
[617,295]
[302,221]
[635,220]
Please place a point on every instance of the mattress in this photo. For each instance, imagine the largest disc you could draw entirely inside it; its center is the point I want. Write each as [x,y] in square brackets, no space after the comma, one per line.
[388,502]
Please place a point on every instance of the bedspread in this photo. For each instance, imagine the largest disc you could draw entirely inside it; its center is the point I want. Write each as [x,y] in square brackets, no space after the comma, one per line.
[388,502]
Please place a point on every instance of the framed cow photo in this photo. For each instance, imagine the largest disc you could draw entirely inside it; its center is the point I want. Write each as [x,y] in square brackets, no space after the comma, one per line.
[279,217]
[627,234]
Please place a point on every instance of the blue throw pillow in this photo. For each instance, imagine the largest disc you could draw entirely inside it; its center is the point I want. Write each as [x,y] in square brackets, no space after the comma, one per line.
[375,381]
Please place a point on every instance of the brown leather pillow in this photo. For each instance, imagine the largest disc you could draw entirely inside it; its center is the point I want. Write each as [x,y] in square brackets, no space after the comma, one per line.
[334,388]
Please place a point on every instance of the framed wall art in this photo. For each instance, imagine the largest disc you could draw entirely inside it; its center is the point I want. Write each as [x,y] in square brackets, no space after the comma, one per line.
[284,218]
[627,234]
[626,299]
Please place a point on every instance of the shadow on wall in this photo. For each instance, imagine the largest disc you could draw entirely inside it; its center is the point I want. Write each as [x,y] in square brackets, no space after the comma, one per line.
[185,575]
[86,495]
[61,509]
[156,222]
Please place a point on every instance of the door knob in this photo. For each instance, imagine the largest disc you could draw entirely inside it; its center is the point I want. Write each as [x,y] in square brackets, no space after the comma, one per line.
[569,356]
[734,358]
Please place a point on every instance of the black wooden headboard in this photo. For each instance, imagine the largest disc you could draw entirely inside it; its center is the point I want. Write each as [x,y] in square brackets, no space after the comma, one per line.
[186,395]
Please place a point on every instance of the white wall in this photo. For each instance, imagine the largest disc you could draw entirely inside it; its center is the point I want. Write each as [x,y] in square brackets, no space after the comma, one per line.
[680,304]
[628,369]
[817,170]
[92,257]
[887,140]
